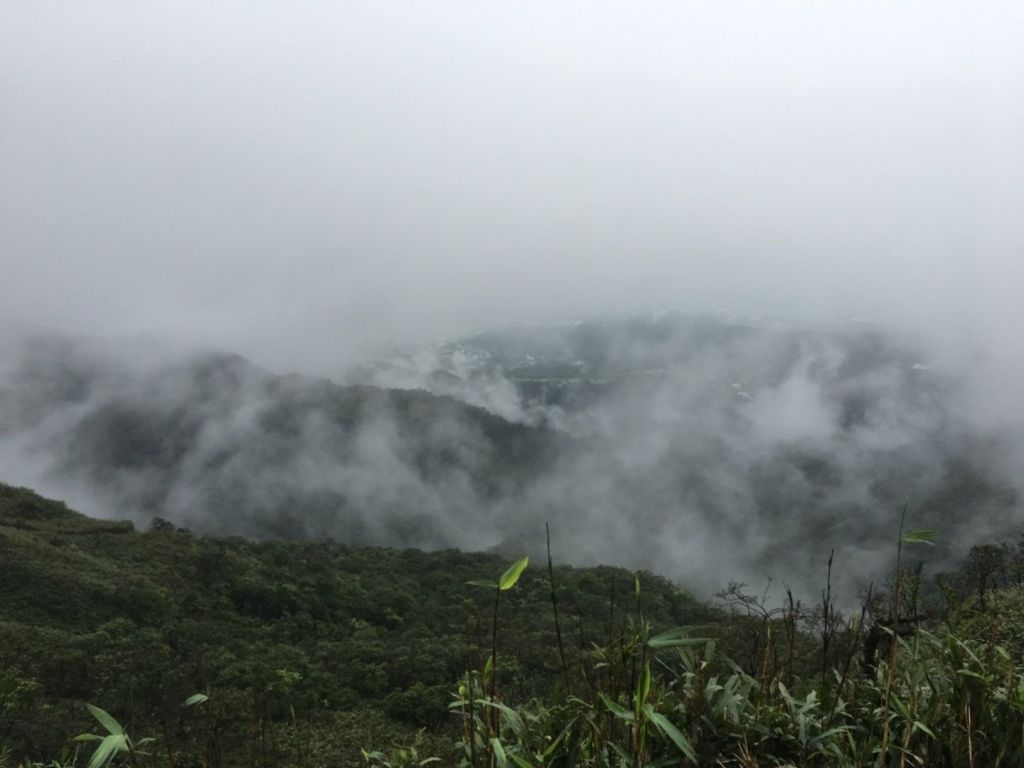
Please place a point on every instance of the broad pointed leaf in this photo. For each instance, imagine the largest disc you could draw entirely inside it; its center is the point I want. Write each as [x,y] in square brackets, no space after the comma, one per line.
[499,753]
[920,536]
[671,731]
[106,720]
[110,746]
[511,576]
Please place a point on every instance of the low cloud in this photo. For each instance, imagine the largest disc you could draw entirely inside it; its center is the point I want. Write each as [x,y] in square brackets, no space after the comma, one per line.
[708,450]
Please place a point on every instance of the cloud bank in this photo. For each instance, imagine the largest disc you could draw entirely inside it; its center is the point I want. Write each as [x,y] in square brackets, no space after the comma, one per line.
[705,449]
[314,186]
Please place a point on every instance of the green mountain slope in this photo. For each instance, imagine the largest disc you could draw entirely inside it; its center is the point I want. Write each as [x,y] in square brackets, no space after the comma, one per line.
[214,443]
[353,642]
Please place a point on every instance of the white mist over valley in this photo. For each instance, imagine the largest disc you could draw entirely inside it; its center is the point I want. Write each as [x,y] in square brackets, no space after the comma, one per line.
[710,449]
[714,289]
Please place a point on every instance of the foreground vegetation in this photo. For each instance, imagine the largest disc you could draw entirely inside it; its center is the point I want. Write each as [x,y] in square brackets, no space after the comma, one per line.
[211,653]
[940,698]
[309,646]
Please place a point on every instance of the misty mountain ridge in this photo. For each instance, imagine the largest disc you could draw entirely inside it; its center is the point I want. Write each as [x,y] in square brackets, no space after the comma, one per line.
[565,363]
[213,442]
[708,449]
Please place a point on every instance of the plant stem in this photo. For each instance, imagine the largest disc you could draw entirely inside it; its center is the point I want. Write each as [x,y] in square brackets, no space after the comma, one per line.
[894,624]
[494,662]
[554,608]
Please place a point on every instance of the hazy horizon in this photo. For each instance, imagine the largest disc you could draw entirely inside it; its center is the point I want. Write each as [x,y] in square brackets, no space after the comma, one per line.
[312,185]
[315,186]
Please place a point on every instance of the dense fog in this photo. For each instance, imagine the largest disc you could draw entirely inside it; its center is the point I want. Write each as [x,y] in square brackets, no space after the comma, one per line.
[713,288]
[708,449]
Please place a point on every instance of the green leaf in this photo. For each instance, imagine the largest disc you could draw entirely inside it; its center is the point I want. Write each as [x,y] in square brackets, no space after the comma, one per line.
[663,725]
[196,698]
[113,727]
[922,727]
[499,753]
[643,685]
[678,637]
[616,709]
[110,746]
[550,749]
[486,583]
[626,759]
[838,730]
[900,707]
[87,737]
[511,576]
[636,585]
[513,718]
[920,536]
[520,761]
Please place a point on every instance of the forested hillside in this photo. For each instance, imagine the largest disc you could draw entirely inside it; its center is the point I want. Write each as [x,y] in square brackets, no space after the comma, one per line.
[214,443]
[227,652]
[511,385]
[312,642]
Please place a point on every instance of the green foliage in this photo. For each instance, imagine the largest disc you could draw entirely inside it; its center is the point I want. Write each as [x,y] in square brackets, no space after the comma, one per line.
[291,641]
[945,697]
[314,654]
[511,576]
[955,701]
[112,744]
[919,536]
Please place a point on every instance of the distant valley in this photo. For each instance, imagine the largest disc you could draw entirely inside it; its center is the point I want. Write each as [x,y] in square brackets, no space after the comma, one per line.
[706,448]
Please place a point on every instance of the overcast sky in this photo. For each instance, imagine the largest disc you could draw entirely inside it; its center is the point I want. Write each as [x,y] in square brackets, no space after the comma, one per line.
[302,181]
